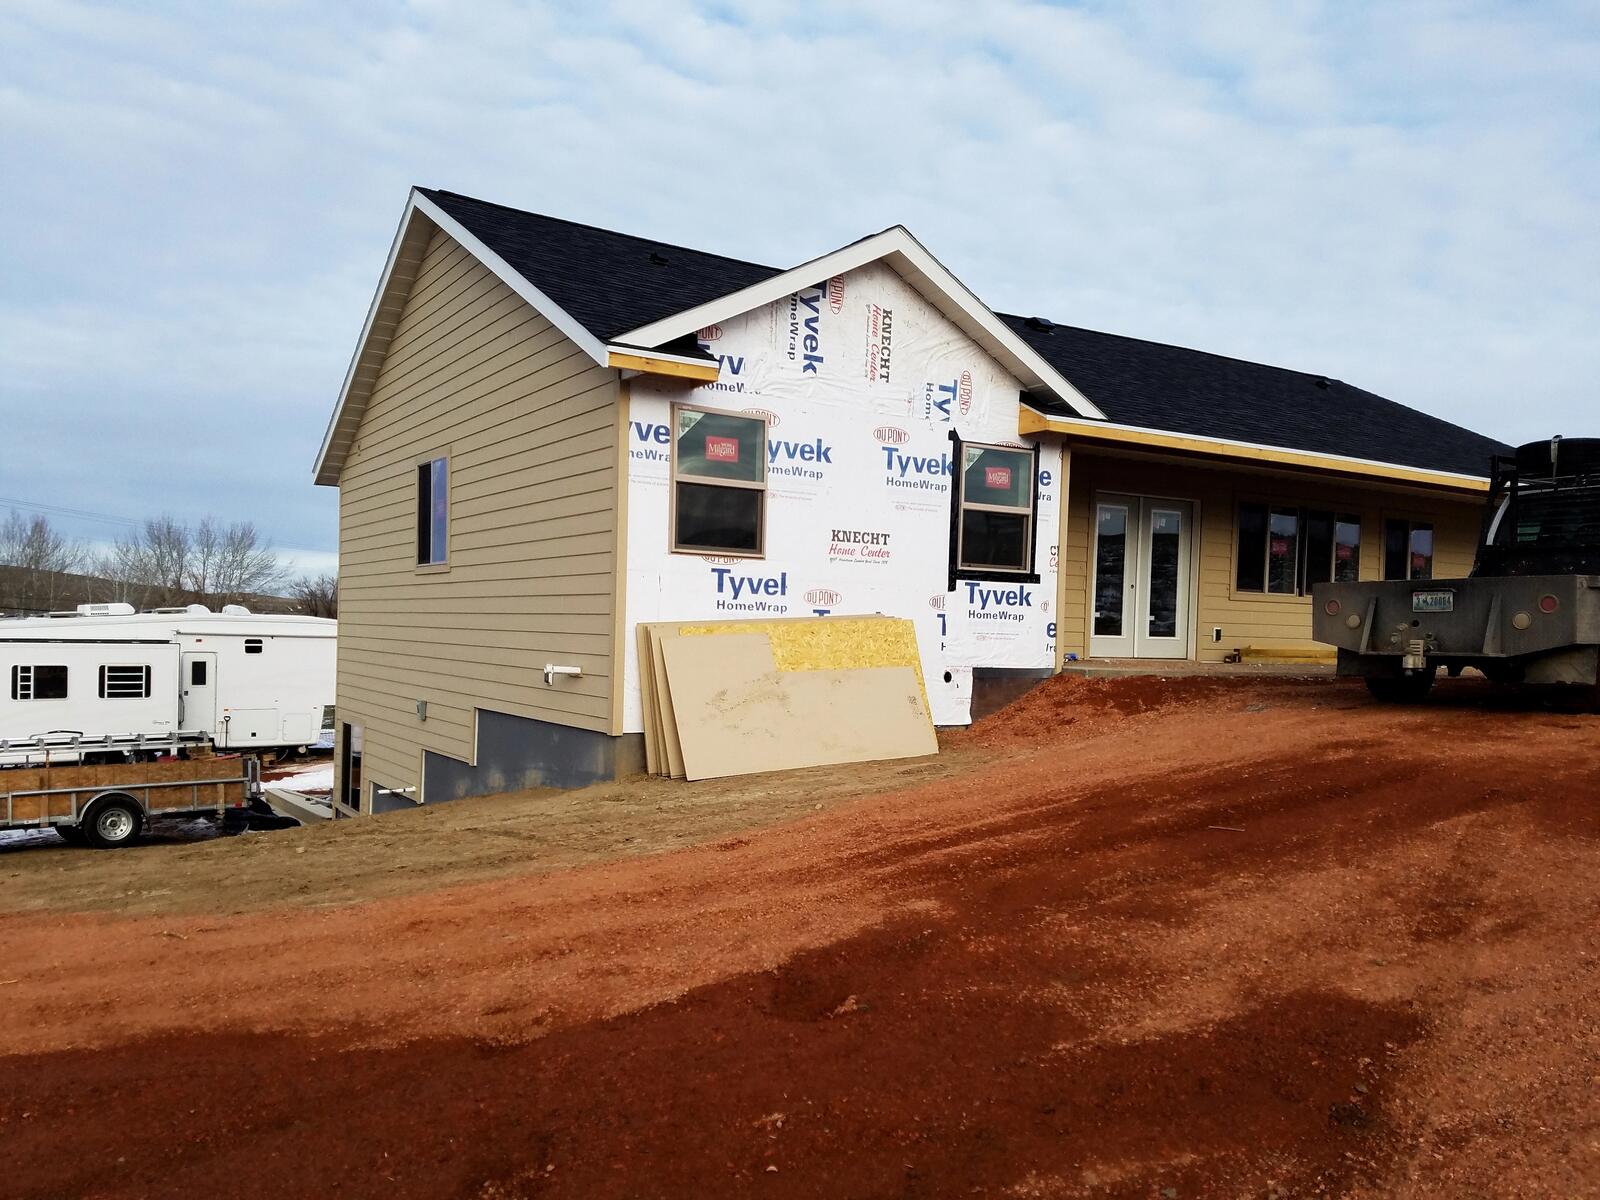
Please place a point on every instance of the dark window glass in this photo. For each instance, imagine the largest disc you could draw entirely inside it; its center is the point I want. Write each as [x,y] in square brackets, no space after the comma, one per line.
[1251,575]
[350,766]
[1421,549]
[1347,549]
[1318,542]
[994,539]
[197,672]
[433,511]
[252,645]
[1110,569]
[39,683]
[1283,550]
[1396,537]
[721,446]
[1166,533]
[718,518]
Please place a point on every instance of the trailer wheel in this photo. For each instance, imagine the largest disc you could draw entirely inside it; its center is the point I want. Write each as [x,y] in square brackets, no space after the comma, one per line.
[113,822]
[1406,689]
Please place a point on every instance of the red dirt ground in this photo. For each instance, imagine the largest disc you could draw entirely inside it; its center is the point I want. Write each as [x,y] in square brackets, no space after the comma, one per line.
[1245,938]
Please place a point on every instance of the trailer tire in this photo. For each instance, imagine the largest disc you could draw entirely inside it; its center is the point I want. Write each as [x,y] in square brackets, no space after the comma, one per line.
[1404,689]
[112,822]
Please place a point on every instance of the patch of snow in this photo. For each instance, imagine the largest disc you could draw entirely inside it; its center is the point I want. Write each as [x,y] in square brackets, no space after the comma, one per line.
[315,778]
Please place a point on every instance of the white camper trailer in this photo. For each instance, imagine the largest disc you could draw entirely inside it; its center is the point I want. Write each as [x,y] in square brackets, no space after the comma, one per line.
[105,675]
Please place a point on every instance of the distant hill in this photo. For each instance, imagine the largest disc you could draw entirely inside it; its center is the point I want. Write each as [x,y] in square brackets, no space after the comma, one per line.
[25,592]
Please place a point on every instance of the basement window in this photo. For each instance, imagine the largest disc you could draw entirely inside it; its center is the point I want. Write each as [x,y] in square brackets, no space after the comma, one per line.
[1407,549]
[719,482]
[1286,550]
[994,510]
[433,512]
[125,683]
[38,682]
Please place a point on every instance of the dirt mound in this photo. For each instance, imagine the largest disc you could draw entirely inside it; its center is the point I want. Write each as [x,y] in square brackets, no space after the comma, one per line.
[1076,702]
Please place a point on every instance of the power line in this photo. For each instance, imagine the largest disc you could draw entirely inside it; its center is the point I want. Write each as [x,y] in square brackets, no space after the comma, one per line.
[83,514]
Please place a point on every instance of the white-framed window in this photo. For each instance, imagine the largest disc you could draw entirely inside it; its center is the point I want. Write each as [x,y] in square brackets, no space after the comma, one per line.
[1286,549]
[994,509]
[42,681]
[1407,548]
[433,512]
[125,682]
[719,482]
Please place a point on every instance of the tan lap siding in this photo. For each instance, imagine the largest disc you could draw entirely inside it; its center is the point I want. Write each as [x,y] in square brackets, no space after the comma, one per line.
[1247,619]
[528,423]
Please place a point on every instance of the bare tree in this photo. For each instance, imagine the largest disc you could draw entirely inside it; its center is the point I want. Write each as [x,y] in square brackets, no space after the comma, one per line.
[245,564]
[41,557]
[317,595]
[152,563]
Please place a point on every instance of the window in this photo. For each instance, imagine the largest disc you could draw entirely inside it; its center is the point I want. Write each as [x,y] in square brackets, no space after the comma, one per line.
[433,512]
[252,645]
[1286,551]
[994,509]
[350,767]
[1407,549]
[38,683]
[719,482]
[125,683]
[197,673]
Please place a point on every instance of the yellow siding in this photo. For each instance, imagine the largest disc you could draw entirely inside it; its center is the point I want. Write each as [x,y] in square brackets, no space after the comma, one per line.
[529,424]
[1247,619]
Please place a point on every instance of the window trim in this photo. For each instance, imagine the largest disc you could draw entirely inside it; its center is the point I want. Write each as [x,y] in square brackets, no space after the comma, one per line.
[105,680]
[958,505]
[1337,511]
[16,682]
[441,565]
[1412,523]
[674,478]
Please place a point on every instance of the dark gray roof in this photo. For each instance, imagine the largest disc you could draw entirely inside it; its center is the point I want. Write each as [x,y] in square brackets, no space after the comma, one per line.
[612,282]
[608,282]
[1155,386]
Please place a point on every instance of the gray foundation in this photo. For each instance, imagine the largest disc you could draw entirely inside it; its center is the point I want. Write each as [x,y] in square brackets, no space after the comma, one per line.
[518,753]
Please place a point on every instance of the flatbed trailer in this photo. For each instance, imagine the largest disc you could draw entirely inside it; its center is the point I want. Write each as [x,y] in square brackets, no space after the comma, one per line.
[112,805]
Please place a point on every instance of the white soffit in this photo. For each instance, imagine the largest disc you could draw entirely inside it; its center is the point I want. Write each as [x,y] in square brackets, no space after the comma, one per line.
[912,261]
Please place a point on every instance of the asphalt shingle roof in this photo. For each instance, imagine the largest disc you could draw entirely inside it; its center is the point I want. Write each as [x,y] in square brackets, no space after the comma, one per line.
[608,282]
[613,282]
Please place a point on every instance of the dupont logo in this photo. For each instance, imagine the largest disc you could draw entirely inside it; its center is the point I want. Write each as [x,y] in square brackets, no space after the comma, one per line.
[710,333]
[891,435]
[836,295]
[719,560]
[766,414]
[823,597]
[936,602]
[964,392]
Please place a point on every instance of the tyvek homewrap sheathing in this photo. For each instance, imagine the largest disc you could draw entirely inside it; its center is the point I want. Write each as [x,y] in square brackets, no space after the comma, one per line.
[861,381]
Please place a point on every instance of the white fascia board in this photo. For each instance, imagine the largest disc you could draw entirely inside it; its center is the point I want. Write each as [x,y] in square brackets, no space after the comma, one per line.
[366,332]
[1092,428]
[921,268]
[513,279]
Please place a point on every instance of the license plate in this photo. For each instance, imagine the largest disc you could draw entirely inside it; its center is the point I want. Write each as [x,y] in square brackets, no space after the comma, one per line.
[1432,602]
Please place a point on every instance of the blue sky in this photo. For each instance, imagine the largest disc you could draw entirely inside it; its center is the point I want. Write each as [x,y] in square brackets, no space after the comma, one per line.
[199,197]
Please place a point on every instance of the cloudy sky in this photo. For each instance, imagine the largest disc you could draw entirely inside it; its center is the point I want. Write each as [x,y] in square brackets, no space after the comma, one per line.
[199,196]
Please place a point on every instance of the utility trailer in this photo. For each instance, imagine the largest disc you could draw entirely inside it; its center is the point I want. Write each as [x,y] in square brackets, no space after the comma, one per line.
[1528,613]
[107,806]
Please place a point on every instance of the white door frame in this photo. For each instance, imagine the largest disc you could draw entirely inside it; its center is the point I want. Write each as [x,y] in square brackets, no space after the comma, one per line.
[1138,509]
[207,700]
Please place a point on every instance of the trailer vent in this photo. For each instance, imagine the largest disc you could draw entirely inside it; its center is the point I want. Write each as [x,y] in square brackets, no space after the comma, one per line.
[252,645]
[105,610]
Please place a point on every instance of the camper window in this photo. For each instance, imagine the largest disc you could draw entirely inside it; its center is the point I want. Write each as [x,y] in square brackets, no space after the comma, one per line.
[994,519]
[38,683]
[719,482]
[125,683]
[252,645]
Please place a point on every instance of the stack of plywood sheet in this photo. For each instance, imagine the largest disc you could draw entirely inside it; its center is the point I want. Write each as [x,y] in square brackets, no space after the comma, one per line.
[737,697]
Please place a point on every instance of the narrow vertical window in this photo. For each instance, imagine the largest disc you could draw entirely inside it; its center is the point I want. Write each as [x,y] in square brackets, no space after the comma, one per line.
[1396,535]
[1251,572]
[1347,549]
[1283,550]
[433,511]
[1407,549]
[1422,551]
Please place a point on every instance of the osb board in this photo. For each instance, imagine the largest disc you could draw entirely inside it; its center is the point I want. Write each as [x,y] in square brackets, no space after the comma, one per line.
[24,779]
[828,643]
[647,699]
[670,742]
[161,797]
[738,714]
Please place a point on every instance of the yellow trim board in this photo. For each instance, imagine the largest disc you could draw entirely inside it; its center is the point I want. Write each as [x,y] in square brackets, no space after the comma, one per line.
[1030,422]
[650,365]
